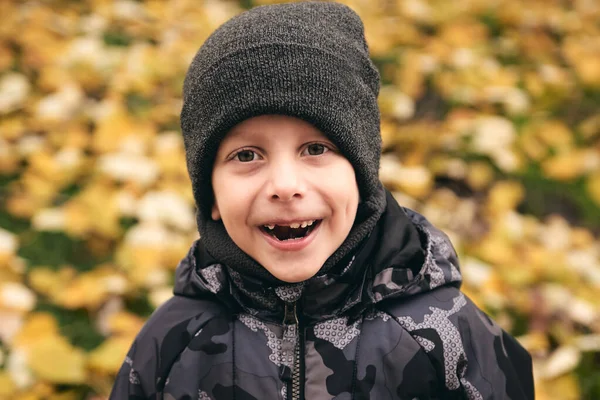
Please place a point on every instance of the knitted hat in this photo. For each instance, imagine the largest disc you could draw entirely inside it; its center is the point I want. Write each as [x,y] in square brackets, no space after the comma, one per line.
[308,60]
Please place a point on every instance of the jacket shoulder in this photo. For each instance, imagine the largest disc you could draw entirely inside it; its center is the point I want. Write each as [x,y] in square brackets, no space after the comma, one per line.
[475,356]
[160,341]
[178,310]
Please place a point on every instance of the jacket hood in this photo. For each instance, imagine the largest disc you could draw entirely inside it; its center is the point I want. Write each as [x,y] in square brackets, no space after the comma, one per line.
[405,255]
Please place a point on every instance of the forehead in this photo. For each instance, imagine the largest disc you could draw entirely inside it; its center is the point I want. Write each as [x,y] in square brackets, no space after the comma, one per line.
[273,128]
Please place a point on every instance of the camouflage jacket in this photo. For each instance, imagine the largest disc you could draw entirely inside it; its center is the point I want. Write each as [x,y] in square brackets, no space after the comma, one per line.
[378,329]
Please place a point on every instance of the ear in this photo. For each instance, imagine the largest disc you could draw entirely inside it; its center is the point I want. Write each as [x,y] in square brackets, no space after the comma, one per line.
[215,213]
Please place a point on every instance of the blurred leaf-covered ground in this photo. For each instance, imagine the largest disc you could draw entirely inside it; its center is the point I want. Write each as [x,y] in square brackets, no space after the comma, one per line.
[491,128]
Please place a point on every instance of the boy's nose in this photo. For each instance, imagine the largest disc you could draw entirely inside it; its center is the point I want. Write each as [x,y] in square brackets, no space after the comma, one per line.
[285,182]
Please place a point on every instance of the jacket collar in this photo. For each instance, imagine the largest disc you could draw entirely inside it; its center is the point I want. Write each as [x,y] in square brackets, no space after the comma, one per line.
[404,255]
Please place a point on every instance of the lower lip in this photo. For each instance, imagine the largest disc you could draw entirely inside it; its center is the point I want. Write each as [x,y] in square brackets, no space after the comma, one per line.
[293,244]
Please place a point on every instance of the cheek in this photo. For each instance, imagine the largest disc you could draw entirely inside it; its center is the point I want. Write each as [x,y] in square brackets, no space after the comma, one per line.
[233,198]
[215,213]
[223,193]
[351,194]
[341,188]
[344,181]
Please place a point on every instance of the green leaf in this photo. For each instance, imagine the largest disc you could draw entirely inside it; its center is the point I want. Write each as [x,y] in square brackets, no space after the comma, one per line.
[139,304]
[12,223]
[137,104]
[76,325]
[55,249]
[117,38]
[588,373]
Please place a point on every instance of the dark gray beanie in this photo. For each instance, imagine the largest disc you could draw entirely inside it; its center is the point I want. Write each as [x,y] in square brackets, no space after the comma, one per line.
[309,60]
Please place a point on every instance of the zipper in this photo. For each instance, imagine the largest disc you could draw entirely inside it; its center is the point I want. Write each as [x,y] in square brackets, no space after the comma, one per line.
[290,316]
[294,391]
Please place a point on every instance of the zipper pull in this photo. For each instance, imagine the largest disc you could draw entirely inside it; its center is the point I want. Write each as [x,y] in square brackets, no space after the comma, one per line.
[285,373]
[290,316]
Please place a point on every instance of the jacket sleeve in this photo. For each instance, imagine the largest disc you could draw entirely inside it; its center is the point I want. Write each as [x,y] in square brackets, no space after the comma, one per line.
[496,365]
[158,345]
[135,378]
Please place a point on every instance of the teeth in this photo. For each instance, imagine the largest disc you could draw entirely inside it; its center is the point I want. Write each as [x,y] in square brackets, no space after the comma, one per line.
[295,225]
[303,224]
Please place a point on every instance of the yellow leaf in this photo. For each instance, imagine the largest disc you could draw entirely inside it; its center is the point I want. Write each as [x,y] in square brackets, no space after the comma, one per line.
[6,57]
[564,388]
[593,187]
[12,128]
[415,181]
[7,386]
[396,104]
[379,35]
[78,219]
[108,357]
[125,324]
[23,205]
[581,237]
[533,147]
[43,389]
[505,196]
[55,360]
[565,166]
[464,33]
[473,296]
[535,342]
[29,396]
[174,253]
[38,326]
[68,395]
[41,189]
[536,256]
[46,281]
[170,156]
[590,127]
[51,78]
[9,162]
[588,69]
[84,291]
[110,132]
[518,277]
[75,136]
[44,164]
[496,250]
[479,175]
[410,78]
[555,134]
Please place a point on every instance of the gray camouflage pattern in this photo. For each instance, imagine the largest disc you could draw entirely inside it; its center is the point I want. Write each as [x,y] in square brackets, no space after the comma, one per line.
[375,331]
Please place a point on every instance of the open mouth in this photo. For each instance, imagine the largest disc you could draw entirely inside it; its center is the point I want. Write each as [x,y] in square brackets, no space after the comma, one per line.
[291,232]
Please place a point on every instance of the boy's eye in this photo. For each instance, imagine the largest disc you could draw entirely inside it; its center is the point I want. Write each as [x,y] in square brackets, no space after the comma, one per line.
[246,156]
[315,149]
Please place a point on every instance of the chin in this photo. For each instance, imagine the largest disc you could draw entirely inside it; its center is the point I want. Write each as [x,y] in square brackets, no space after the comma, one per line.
[288,279]
[294,274]
[293,278]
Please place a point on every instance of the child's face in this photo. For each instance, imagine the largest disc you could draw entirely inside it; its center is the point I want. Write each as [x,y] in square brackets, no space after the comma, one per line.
[274,171]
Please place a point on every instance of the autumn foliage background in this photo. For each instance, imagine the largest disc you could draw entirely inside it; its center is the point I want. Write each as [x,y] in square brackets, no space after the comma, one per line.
[491,128]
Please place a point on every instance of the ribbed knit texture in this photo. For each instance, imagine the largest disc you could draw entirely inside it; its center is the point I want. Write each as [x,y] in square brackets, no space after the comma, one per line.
[308,60]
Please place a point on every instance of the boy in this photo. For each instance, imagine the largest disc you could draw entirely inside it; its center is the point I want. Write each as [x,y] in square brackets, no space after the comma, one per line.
[309,280]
